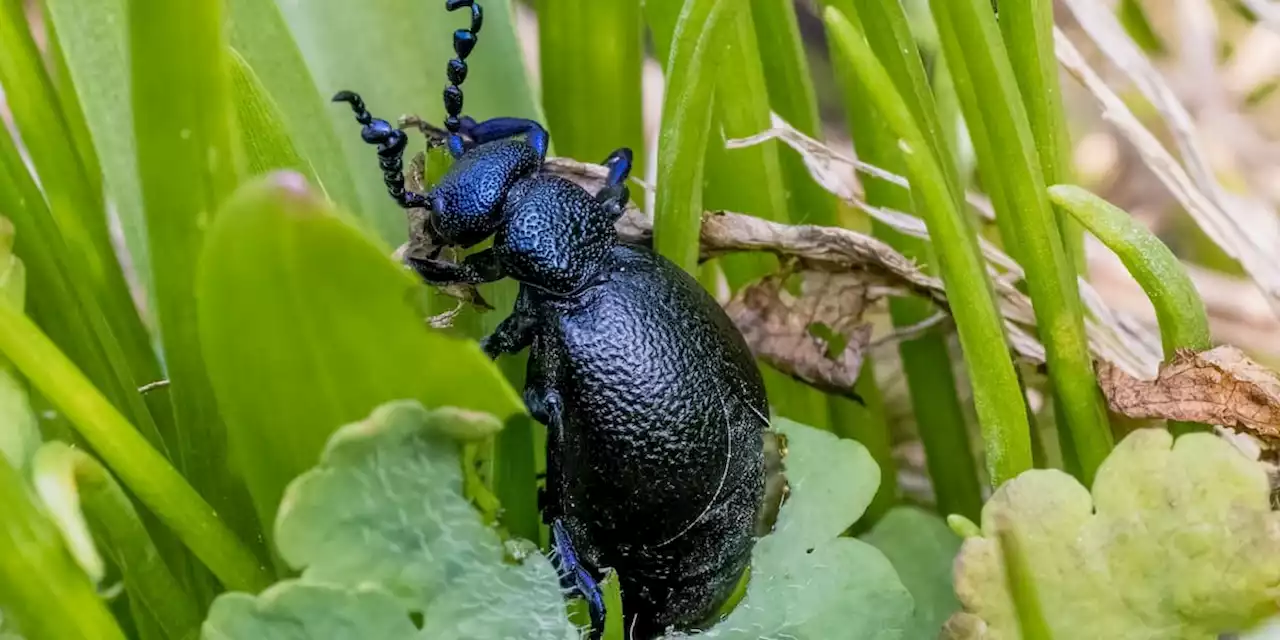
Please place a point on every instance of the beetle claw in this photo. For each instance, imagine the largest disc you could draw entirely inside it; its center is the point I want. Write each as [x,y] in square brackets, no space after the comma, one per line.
[574,578]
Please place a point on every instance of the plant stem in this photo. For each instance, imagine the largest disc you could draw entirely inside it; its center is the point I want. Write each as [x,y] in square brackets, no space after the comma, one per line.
[147,474]
[1180,312]
[686,127]
[926,360]
[123,535]
[1027,27]
[40,585]
[977,56]
[996,393]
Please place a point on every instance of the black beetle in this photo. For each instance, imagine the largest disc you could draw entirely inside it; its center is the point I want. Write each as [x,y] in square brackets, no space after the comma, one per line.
[655,409]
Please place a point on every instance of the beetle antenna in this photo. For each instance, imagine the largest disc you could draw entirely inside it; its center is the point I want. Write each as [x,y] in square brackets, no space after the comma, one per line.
[464,40]
[391,143]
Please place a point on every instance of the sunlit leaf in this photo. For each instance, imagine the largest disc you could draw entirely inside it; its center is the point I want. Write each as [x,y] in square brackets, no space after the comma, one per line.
[307,325]
[1178,540]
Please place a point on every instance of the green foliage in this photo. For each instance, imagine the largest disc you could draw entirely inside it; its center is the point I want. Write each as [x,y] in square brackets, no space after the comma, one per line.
[1177,540]
[384,508]
[85,502]
[307,323]
[806,581]
[922,549]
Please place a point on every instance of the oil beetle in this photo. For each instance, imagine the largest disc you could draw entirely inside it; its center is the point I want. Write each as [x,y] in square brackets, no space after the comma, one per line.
[655,409]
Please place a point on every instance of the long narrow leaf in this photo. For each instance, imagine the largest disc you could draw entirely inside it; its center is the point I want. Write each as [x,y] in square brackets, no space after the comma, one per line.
[591,54]
[186,162]
[65,474]
[926,360]
[997,396]
[140,467]
[258,33]
[93,38]
[971,41]
[686,123]
[77,211]
[41,587]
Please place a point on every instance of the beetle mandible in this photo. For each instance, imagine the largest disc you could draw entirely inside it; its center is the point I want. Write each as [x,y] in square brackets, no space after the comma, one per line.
[655,409]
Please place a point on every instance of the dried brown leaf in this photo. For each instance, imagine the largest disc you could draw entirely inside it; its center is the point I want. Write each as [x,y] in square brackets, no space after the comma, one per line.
[790,333]
[1221,386]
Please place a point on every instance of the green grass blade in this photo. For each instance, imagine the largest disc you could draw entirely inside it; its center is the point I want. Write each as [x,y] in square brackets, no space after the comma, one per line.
[686,127]
[264,141]
[971,41]
[258,33]
[93,38]
[591,54]
[41,587]
[1027,28]
[122,535]
[867,425]
[64,306]
[140,467]
[394,53]
[186,162]
[926,360]
[1180,311]
[792,96]
[997,396]
[78,211]
[748,180]
[307,324]
[73,113]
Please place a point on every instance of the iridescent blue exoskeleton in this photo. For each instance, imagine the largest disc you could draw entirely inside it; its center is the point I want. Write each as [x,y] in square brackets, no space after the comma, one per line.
[655,409]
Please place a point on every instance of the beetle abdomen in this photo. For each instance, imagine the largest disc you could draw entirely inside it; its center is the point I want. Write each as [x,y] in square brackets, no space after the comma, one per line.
[661,470]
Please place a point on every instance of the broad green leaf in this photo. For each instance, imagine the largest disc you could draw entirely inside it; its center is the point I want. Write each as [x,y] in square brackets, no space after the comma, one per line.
[385,507]
[294,610]
[394,54]
[43,593]
[86,503]
[922,549]
[307,325]
[258,33]
[1178,540]
[806,582]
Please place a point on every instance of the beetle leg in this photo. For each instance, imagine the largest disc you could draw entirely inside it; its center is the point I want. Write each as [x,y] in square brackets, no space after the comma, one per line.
[500,128]
[614,194]
[575,578]
[477,268]
[514,333]
[391,143]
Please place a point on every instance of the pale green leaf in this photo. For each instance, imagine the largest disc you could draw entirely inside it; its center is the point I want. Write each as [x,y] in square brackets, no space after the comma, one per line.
[385,507]
[922,549]
[19,435]
[807,583]
[1177,541]
[297,611]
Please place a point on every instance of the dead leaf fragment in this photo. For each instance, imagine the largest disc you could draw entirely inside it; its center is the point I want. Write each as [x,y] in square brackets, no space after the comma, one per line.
[801,336]
[1221,386]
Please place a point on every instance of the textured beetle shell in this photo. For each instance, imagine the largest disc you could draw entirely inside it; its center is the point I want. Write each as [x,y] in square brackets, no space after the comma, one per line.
[475,187]
[661,464]
[558,251]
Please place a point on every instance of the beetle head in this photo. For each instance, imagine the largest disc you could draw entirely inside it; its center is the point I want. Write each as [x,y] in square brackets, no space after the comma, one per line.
[467,202]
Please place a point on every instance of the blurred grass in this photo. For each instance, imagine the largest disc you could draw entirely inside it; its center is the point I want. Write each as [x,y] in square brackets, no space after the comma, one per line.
[996,392]
[926,360]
